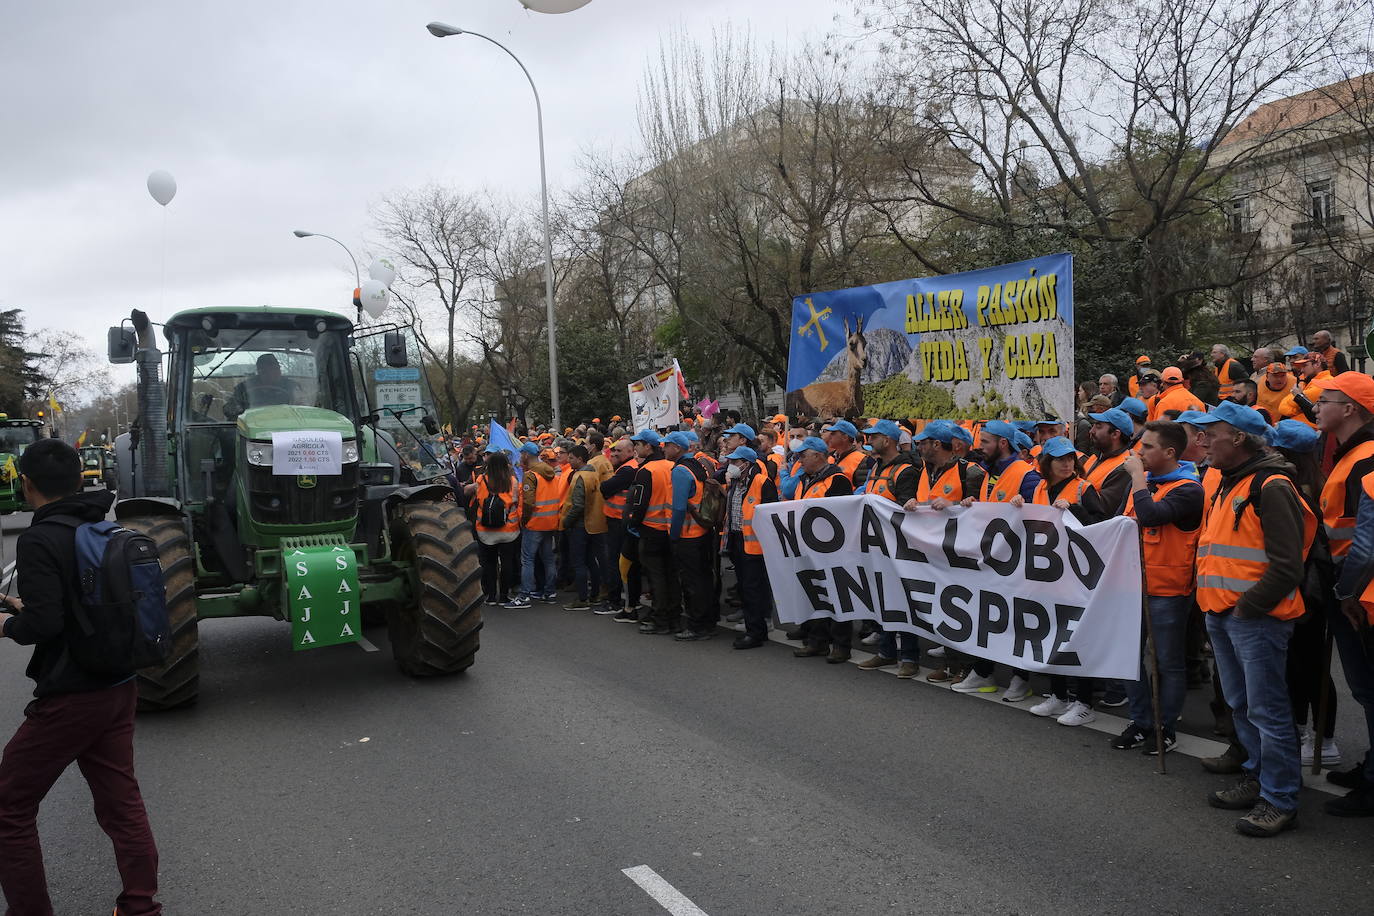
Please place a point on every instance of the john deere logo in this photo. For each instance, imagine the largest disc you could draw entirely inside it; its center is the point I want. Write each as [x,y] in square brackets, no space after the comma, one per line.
[306,481]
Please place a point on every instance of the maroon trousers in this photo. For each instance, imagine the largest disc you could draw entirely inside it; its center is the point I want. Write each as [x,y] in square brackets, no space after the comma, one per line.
[95,729]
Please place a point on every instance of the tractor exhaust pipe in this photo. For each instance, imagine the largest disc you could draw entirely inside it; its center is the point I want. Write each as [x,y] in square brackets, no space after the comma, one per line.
[152,409]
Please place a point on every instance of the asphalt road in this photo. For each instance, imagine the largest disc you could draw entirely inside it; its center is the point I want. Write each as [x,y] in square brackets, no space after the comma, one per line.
[325,782]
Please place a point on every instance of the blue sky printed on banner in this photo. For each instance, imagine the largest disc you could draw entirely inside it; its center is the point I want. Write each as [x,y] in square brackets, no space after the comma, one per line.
[818,318]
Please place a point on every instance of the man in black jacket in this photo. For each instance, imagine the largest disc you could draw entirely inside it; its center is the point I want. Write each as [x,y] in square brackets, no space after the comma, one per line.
[77,716]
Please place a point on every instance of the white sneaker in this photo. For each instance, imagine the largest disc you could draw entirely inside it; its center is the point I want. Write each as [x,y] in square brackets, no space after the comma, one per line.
[1306,748]
[975,684]
[1078,713]
[1331,754]
[1017,691]
[937,652]
[871,639]
[1051,706]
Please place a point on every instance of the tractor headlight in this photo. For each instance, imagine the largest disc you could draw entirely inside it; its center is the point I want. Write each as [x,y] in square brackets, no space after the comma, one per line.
[350,451]
[260,454]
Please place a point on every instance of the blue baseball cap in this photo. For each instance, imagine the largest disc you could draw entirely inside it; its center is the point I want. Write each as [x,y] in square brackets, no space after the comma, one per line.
[646,435]
[679,438]
[1002,429]
[1293,435]
[960,433]
[939,430]
[1049,421]
[743,453]
[691,435]
[1058,447]
[842,426]
[1190,417]
[1297,351]
[741,429]
[529,448]
[1136,408]
[885,428]
[1245,419]
[1117,417]
[1022,441]
[1026,426]
[814,444]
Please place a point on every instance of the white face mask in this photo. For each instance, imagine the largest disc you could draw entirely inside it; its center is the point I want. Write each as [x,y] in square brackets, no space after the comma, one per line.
[733,471]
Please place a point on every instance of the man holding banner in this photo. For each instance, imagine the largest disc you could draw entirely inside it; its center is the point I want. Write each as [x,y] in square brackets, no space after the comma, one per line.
[820,480]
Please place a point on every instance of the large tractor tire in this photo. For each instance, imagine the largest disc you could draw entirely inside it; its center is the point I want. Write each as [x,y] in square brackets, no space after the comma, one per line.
[177,683]
[437,632]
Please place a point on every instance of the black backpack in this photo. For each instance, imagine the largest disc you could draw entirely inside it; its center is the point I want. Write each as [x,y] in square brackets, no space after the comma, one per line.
[492,512]
[121,620]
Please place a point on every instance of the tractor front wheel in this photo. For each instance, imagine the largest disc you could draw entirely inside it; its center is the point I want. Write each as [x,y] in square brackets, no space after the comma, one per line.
[176,683]
[436,632]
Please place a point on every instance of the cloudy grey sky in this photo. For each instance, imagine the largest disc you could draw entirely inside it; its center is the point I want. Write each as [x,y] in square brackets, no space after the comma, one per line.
[291,114]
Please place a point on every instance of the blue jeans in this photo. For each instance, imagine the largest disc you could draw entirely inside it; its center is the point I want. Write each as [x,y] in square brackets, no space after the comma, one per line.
[1357,662]
[585,556]
[536,544]
[910,643]
[1251,657]
[1169,614]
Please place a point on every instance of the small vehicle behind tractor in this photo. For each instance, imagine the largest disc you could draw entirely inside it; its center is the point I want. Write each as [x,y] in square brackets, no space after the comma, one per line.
[273,488]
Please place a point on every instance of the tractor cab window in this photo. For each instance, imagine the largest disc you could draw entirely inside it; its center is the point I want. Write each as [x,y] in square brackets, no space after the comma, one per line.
[243,368]
[13,439]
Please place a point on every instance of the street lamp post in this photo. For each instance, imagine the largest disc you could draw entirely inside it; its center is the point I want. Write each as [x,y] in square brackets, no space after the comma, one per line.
[440,30]
[357,275]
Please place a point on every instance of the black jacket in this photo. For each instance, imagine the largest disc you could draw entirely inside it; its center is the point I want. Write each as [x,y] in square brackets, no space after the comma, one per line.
[45,566]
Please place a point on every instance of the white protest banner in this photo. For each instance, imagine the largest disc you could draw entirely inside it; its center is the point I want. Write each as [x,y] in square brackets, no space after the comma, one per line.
[307,451]
[1028,587]
[654,400]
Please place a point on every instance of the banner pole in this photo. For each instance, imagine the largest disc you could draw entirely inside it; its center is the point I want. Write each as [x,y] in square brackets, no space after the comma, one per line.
[1153,656]
[1323,703]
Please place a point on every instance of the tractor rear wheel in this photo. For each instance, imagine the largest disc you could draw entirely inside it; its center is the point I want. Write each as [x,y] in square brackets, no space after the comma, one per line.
[176,683]
[437,631]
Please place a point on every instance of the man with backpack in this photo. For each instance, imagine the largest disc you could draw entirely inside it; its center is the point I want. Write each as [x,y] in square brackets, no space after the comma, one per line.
[84,706]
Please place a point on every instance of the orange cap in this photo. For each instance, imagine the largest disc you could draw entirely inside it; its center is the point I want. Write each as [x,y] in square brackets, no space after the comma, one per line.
[1172,375]
[1141,359]
[1355,385]
[780,418]
[1277,369]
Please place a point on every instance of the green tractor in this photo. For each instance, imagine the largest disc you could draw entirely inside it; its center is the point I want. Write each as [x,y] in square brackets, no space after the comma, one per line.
[15,436]
[97,466]
[273,488]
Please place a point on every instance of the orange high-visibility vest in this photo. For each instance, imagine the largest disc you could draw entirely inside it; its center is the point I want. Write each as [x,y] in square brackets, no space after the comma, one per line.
[660,512]
[1009,484]
[817,490]
[850,463]
[548,496]
[615,506]
[1072,493]
[883,482]
[1339,526]
[508,499]
[753,498]
[946,486]
[1231,557]
[1099,469]
[1170,552]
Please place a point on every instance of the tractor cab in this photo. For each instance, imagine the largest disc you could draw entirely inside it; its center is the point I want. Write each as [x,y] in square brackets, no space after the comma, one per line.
[16,434]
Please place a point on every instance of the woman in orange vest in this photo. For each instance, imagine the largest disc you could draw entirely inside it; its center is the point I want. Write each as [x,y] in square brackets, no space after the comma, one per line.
[496,518]
[750,487]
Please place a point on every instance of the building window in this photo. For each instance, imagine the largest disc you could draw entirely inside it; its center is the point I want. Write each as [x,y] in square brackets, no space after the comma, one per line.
[1319,195]
[1238,214]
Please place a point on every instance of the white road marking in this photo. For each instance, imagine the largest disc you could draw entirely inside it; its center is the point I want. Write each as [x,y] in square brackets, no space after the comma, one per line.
[367,646]
[664,894]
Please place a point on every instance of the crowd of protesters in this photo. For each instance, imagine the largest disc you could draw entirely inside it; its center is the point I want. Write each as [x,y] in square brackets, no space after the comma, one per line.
[1253,491]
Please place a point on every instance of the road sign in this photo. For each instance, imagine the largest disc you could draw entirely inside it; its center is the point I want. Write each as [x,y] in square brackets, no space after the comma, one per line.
[398,395]
[396,375]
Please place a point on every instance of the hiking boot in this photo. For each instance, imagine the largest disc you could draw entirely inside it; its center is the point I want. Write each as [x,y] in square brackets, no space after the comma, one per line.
[1232,760]
[876,662]
[1266,820]
[1355,803]
[836,656]
[940,675]
[1242,795]
[811,651]
[908,670]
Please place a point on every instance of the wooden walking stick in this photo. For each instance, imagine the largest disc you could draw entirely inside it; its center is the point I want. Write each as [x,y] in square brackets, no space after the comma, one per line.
[1323,701]
[1153,656]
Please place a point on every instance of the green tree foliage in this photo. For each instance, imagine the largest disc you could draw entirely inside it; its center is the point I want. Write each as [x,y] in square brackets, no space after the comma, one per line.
[20,379]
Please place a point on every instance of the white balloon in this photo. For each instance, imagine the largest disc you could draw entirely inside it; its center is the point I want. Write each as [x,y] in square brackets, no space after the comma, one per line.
[162,186]
[553,6]
[382,269]
[374,297]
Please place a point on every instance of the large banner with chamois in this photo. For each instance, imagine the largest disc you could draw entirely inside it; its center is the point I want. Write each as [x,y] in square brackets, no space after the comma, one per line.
[996,342]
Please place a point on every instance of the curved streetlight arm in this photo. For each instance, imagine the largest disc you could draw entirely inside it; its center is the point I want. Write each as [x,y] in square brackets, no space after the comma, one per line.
[357,276]
[441,30]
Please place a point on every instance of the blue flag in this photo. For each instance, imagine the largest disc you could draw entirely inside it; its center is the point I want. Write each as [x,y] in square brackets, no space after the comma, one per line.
[498,440]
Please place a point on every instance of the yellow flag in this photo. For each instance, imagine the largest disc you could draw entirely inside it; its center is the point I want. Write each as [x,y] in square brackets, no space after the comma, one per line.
[53,405]
[81,440]
[9,471]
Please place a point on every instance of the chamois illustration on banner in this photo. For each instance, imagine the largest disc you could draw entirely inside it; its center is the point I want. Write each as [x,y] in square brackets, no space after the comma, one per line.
[845,398]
